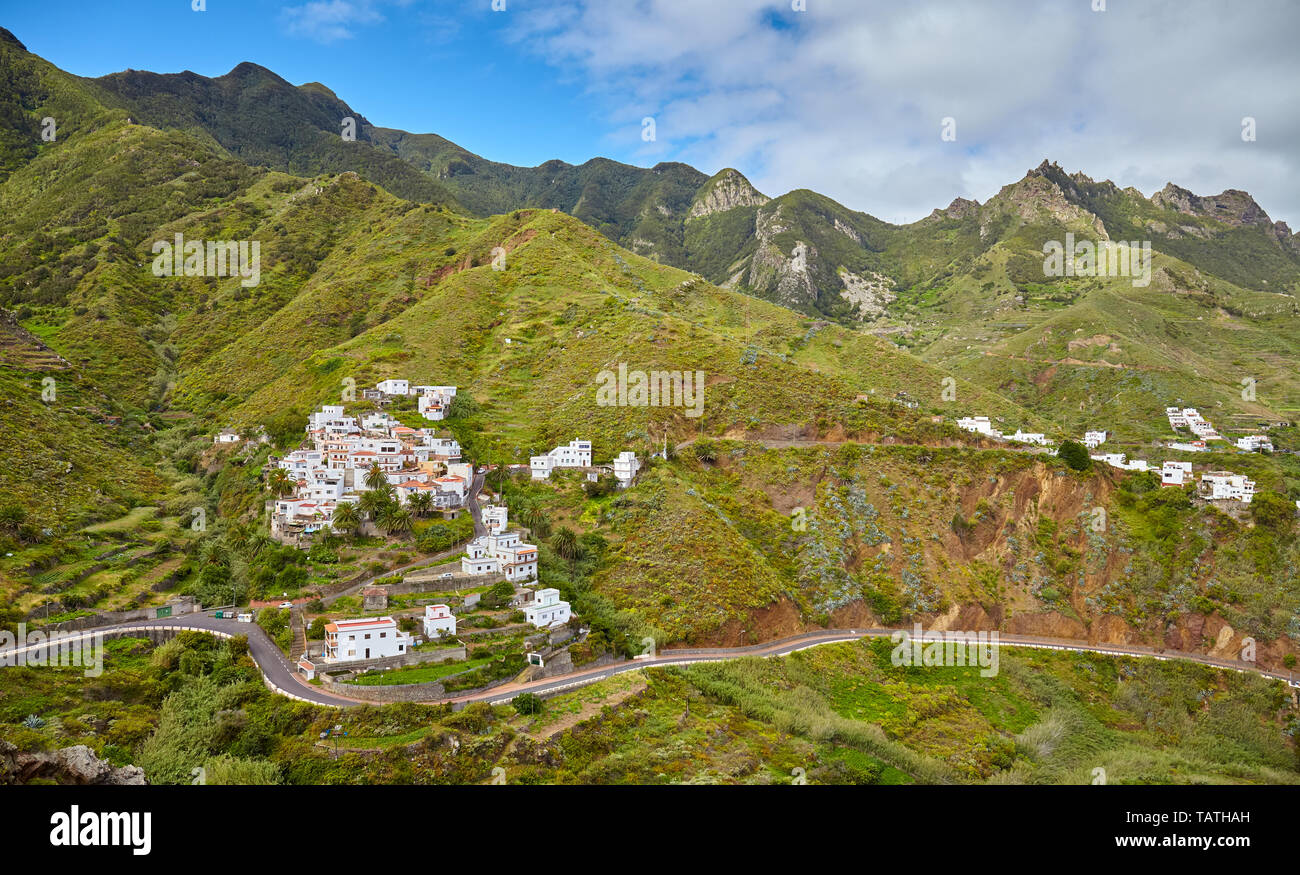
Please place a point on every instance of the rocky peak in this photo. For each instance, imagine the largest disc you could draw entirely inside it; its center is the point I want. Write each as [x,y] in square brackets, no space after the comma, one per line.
[725,190]
[1232,207]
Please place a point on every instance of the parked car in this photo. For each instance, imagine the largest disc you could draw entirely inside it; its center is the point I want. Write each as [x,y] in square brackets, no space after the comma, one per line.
[286,604]
[447,575]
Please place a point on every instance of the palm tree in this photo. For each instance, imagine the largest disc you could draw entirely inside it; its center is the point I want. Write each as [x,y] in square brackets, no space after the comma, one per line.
[347,517]
[280,482]
[420,503]
[395,520]
[565,544]
[372,502]
[375,478]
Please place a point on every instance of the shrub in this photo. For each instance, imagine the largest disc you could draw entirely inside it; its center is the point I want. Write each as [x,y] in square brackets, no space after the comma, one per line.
[1075,455]
[527,703]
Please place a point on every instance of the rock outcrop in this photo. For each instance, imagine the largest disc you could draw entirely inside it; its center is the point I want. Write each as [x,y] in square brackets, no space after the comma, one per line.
[76,765]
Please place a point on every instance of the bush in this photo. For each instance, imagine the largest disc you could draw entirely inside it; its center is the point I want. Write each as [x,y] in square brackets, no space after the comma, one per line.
[527,703]
[1075,455]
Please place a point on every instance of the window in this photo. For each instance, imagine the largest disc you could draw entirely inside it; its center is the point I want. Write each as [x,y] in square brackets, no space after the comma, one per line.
[367,636]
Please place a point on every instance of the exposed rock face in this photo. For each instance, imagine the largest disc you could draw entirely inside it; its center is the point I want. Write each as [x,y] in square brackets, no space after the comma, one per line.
[76,765]
[1040,196]
[785,276]
[1232,207]
[871,292]
[726,191]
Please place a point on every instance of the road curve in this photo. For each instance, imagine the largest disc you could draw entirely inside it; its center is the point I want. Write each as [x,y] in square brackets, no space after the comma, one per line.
[281,677]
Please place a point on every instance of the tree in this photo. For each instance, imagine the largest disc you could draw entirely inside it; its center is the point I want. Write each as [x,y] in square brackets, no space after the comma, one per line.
[395,520]
[1075,455]
[347,517]
[1273,512]
[279,482]
[420,503]
[565,544]
[375,478]
[373,503]
[705,450]
[527,703]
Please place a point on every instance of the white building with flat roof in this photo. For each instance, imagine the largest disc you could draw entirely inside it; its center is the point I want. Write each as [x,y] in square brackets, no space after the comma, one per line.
[1175,473]
[1255,443]
[575,454]
[626,466]
[438,619]
[1226,486]
[495,518]
[501,554]
[1094,439]
[547,610]
[394,387]
[979,425]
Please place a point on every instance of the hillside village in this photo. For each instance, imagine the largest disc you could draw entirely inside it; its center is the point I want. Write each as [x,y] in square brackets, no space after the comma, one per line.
[358,472]
[1214,485]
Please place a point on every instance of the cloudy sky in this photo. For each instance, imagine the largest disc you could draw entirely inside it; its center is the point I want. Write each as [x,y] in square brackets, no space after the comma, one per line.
[846,97]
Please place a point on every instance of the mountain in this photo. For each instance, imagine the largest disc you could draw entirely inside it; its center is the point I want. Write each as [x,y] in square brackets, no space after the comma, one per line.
[837,348]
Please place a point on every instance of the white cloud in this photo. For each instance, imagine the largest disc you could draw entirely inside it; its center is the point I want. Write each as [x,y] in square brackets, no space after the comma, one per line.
[847,97]
[328,21]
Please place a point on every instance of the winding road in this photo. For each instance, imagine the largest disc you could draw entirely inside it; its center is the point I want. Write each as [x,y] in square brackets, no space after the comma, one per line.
[281,677]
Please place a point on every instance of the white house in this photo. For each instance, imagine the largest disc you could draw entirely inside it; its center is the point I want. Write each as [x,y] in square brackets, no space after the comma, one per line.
[501,554]
[226,436]
[980,425]
[547,609]
[1255,443]
[394,387]
[1027,437]
[1175,473]
[438,619]
[1193,447]
[576,454]
[1177,419]
[1224,485]
[1094,439]
[626,466]
[364,639]
[494,517]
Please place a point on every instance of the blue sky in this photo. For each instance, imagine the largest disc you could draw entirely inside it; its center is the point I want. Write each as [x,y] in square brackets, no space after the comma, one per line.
[846,97]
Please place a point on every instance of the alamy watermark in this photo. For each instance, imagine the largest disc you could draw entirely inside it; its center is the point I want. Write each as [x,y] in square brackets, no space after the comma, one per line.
[653,389]
[217,258]
[1093,258]
[39,649]
[947,649]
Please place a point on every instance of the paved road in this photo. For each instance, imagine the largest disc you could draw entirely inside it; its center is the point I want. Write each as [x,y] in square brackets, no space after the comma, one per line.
[283,678]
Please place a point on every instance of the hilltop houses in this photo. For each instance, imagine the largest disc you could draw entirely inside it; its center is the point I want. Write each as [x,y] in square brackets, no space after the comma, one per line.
[982,425]
[979,425]
[494,518]
[367,638]
[1094,439]
[626,466]
[1121,461]
[1191,419]
[438,620]
[576,454]
[344,449]
[1255,443]
[1226,486]
[504,554]
[1175,473]
[1026,437]
[547,610]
